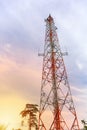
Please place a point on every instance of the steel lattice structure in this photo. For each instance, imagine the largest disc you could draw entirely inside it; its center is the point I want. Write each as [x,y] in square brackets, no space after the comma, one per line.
[57,111]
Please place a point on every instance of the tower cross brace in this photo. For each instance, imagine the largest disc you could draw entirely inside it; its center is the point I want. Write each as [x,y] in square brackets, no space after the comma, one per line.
[57,111]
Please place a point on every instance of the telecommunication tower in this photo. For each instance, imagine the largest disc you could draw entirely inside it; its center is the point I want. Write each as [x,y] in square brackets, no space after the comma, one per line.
[57,111]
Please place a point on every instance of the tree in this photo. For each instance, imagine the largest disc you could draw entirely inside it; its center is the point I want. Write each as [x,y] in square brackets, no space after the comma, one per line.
[84,124]
[30,112]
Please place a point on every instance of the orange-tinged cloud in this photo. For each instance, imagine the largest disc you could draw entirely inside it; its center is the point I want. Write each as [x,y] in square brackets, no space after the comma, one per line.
[18,86]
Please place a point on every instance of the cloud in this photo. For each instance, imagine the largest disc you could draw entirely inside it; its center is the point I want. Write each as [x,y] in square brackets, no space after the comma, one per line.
[22,33]
[80,97]
[79,65]
[18,76]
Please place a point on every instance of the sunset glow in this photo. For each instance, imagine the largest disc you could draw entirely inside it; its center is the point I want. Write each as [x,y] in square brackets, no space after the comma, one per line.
[10,111]
[22,34]
[7,120]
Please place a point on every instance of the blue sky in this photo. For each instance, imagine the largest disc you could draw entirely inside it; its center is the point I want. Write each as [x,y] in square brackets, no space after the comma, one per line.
[22,34]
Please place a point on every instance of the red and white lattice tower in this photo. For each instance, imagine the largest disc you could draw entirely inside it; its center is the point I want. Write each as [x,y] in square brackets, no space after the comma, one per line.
[57,111]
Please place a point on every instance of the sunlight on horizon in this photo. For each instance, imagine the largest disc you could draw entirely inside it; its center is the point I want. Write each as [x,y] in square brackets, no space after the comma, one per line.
[12,121]
[8,121]
[10,108]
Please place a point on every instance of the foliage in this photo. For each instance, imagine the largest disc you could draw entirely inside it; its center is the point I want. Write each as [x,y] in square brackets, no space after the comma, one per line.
[30,112]
[84,124]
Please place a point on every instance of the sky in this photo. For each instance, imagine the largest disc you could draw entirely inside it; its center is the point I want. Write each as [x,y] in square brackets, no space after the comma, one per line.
[22,34]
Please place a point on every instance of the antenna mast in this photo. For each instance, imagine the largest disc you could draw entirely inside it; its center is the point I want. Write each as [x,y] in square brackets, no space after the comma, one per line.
[57,111]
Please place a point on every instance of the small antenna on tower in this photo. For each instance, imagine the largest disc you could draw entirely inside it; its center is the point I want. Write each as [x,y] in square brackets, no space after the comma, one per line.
[39,53]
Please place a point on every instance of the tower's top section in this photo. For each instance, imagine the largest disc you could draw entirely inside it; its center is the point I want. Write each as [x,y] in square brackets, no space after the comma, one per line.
[49,19]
